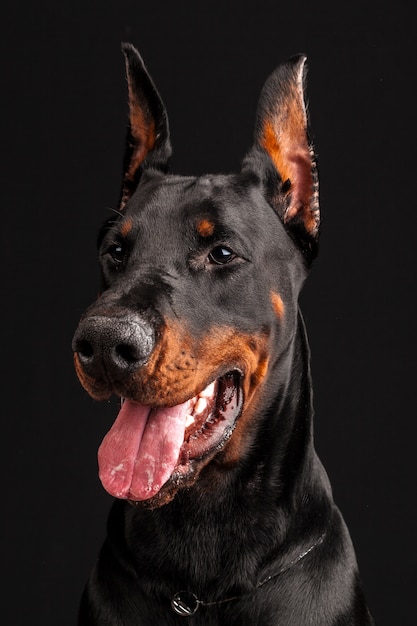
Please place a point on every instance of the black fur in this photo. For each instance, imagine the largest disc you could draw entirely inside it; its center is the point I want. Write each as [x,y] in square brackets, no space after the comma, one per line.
[211,268]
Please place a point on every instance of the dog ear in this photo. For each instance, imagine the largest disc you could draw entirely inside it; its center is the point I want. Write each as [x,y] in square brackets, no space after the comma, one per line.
[290,171]
[147,143]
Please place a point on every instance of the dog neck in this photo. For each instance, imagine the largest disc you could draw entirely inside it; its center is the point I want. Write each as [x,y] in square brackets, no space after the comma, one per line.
[186,603]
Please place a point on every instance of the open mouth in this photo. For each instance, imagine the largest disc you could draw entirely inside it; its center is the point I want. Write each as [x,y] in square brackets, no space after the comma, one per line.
[148,447]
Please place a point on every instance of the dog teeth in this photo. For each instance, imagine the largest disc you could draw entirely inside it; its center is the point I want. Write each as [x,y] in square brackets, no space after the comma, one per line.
[201,405]
[208,392]
[189,420]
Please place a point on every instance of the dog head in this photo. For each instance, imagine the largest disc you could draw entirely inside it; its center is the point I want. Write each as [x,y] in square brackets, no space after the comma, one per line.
[200,283]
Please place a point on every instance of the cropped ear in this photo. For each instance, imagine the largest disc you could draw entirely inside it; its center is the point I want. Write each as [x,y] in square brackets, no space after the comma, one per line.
[290,171]
[147,143]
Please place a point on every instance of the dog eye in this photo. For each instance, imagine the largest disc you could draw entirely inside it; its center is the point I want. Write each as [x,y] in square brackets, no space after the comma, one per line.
[220,255]
[117,253]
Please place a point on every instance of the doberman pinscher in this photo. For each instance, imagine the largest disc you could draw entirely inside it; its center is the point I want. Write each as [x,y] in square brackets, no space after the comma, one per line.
[223,513]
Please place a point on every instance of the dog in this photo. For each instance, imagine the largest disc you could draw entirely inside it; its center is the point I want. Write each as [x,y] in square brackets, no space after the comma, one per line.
[223,514]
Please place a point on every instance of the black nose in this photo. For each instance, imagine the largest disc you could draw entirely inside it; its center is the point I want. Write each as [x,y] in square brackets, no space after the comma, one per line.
[112,346]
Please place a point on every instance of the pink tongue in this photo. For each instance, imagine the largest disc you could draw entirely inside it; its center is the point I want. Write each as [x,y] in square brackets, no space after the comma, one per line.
[140,451]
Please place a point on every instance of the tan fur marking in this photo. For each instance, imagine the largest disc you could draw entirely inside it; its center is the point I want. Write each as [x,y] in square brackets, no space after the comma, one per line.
[179,366]
[284,138]
[205,228]
[142,127]
[272,146]
[126,227]
[144,134]
[277,304]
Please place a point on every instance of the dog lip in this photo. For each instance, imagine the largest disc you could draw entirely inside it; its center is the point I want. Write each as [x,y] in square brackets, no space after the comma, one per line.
[236,373]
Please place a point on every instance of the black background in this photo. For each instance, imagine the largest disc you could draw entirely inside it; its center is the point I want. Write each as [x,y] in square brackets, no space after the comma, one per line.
[63,101]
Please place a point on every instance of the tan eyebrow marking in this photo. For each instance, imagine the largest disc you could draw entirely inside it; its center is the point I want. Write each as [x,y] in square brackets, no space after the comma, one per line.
[126,227]
[205,228]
